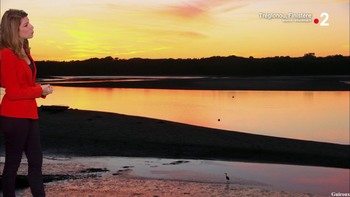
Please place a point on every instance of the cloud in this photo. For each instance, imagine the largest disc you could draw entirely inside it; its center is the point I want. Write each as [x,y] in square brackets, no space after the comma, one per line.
[200,9]
[192,35]
[186,11]
[332,2]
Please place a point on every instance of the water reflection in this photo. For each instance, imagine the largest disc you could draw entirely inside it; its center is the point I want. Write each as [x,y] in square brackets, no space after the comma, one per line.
[311,115]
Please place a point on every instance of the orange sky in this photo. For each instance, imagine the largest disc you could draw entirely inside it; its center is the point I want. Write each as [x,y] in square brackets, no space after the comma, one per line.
[75,30]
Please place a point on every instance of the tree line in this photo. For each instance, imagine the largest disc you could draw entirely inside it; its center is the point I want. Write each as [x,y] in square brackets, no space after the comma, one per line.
[309,64]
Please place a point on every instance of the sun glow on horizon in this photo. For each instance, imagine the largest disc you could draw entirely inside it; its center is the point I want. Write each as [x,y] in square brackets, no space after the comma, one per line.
[76,30]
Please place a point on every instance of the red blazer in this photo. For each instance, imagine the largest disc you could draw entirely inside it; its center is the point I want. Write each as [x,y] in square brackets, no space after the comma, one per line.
[21,89]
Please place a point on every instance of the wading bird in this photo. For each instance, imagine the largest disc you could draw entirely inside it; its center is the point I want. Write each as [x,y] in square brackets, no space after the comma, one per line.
[227,178]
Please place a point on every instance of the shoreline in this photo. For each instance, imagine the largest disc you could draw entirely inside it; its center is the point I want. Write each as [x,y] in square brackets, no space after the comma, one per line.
[271,83]
[102,185]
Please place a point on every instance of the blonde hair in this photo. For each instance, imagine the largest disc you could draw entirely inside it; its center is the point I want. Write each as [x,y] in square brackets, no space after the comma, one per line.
[9,32]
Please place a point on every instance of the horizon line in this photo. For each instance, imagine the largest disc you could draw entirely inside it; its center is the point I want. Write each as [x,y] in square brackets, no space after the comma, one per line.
[310,55]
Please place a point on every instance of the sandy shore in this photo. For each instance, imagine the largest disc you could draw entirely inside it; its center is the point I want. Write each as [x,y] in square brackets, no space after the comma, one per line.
[79,179]
[74,132]
[129,186]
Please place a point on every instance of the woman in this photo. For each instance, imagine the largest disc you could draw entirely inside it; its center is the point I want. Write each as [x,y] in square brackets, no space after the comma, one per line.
[18,109]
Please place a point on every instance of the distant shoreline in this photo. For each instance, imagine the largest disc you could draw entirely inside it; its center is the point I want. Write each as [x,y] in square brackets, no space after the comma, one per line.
[207,66]
[292,83]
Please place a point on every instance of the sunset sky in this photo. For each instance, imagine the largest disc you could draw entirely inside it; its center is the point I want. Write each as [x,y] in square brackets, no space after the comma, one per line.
[82,29]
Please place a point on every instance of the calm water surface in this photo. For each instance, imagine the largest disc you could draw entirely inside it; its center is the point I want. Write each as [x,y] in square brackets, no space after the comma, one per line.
[311,115]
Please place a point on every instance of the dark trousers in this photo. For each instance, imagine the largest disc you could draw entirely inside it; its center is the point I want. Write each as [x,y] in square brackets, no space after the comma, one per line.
[22,135]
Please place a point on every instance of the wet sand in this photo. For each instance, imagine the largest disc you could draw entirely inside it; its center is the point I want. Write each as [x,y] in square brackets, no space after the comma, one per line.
[74,178]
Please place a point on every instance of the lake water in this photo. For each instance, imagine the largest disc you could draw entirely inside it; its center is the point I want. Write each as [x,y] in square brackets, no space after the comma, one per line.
[310,115]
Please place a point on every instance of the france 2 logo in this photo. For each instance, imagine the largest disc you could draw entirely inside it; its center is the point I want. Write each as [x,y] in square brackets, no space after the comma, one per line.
[324,20]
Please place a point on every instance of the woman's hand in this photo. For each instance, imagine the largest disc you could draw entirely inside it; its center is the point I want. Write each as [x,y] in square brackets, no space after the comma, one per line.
[47,89]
